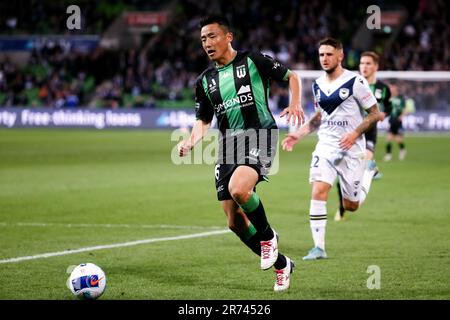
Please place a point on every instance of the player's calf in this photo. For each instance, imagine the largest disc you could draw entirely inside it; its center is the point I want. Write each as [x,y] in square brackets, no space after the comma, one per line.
[254,210]
[236,223]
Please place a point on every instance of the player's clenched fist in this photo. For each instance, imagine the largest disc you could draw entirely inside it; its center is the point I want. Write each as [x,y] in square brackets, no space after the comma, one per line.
[184,147]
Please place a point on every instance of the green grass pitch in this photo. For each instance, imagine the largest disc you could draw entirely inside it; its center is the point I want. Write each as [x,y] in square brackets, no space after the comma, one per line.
[69,189]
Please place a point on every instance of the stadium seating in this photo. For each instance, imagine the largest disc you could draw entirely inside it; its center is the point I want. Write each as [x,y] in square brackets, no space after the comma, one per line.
[160,73]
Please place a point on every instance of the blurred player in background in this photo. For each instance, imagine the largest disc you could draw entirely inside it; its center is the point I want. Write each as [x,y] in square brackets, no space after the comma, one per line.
[235,89]
[340,96]
[395,132]
[368,67]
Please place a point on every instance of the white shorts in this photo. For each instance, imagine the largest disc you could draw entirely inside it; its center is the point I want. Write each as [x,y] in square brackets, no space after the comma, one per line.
[350,171]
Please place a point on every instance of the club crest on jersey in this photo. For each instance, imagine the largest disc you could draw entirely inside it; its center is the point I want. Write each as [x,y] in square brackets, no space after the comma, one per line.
[378,94]
[240,72]
[343,93]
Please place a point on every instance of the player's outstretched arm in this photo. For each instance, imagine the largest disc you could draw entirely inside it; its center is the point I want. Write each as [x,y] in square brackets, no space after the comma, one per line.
[198,132]
[292,139]
[349,139]
[294,111]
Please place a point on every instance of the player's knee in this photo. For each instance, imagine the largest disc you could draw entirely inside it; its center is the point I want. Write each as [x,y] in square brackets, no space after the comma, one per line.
[351,205]
[319,194]
[238,193]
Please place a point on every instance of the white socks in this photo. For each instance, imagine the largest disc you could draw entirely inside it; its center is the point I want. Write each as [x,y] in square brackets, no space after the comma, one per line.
[318,222]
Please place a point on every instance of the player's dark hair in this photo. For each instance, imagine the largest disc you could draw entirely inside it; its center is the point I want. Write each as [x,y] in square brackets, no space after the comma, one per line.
[373,55]
[330,42]
[215,18]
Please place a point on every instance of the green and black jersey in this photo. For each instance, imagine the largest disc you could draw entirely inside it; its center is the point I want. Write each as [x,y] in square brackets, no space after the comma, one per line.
[398,105]
[383,95]
[238,92]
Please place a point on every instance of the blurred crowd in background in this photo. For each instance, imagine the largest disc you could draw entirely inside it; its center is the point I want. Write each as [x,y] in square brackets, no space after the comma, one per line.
[162,74]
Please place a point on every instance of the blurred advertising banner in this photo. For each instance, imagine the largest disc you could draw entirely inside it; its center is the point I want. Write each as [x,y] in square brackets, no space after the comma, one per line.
[164,119]
[79,43]
[145,19]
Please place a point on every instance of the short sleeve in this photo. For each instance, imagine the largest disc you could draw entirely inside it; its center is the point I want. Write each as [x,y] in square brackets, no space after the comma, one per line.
[203,109]
[269,67]
[363,94]
[315,100]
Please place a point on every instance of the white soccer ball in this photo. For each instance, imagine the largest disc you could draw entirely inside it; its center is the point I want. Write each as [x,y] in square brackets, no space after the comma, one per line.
[87,281]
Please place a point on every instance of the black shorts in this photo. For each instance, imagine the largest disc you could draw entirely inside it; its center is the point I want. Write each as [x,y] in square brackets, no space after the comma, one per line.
[223,173]
[259,157]
[371,138]
[396,127]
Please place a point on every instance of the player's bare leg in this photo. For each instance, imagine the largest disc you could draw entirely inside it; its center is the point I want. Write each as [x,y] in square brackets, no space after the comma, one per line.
[241,225]
[241,188]
[350,205]
[236,219]
[242,183]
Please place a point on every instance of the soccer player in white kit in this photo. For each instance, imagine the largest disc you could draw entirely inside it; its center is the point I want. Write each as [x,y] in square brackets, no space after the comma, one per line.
[340,97]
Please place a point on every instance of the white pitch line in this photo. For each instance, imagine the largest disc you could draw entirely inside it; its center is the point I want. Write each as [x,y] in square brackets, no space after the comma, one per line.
[88,225]
[115,245]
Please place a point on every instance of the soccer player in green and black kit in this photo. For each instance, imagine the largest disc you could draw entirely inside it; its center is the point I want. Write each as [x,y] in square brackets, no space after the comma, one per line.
[235,89]
[368,67]
[395,132]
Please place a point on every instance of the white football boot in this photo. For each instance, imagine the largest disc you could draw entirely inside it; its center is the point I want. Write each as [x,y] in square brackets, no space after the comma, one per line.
[283,276]
[269,252]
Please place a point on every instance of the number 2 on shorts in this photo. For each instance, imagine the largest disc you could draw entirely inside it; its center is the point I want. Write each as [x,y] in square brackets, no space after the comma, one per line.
[315,162]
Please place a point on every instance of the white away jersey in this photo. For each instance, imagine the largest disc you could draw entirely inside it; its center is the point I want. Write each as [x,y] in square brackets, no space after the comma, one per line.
[341,104]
